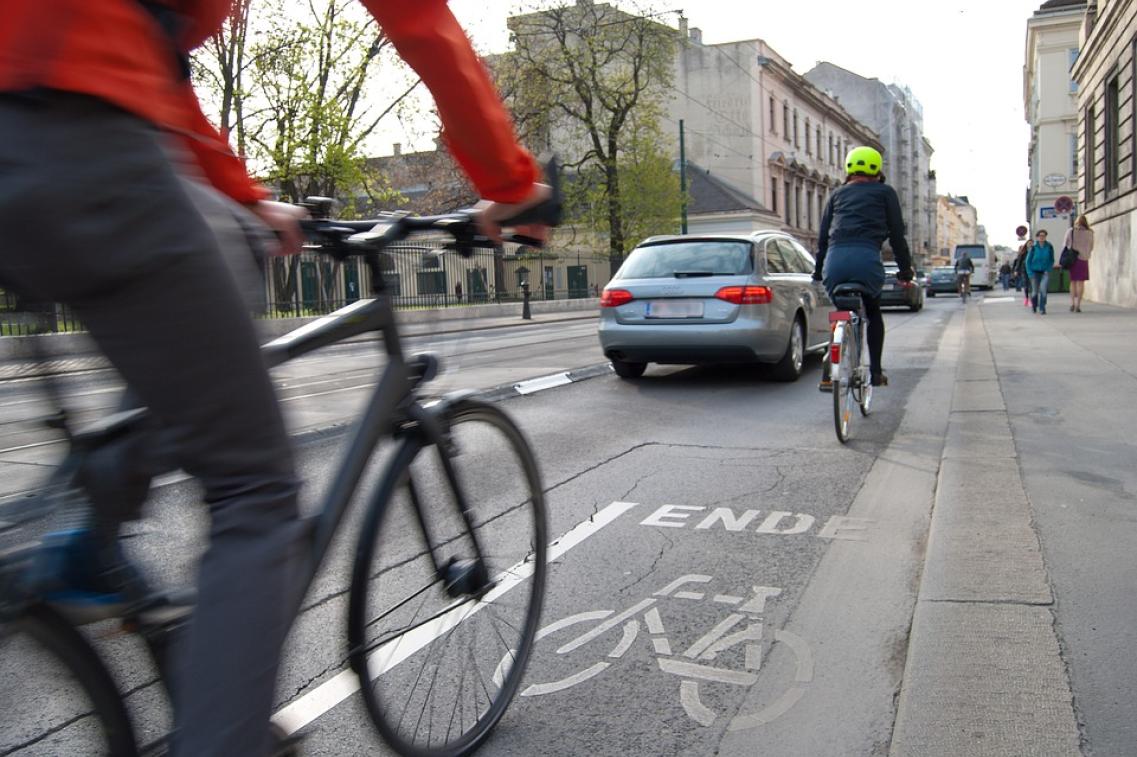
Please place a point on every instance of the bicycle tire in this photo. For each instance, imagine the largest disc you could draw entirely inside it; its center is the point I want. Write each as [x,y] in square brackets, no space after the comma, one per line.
[393,666]
[70,703]
[843,385]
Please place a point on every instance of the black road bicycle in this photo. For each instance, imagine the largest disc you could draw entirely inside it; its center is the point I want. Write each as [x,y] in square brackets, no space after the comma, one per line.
[848,369]
[449,565]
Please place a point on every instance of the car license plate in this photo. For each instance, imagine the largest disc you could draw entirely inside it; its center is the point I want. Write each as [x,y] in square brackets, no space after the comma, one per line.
[674,309]
[889,287]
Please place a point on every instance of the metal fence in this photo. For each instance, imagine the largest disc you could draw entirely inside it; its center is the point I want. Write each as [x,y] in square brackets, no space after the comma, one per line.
[422,274]
[20,316]
[426,275]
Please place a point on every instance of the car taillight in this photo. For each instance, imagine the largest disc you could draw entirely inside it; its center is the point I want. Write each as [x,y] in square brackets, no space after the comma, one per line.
[746,295]
[614,298]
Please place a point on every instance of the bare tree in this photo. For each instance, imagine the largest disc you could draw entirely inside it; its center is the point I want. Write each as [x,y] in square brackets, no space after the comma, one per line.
[589,79]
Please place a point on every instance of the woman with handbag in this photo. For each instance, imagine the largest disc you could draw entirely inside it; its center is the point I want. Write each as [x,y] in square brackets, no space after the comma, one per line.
[1079,238]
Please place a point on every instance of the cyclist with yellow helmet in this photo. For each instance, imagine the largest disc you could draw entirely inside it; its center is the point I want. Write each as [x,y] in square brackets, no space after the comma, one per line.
[859,216]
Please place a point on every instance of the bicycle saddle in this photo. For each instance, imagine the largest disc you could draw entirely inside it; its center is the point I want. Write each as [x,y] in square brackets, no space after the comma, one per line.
[850,288]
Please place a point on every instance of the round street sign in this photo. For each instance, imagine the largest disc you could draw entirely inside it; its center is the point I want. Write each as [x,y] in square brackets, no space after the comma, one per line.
[1054,180]
[1021,231]
[1063,205]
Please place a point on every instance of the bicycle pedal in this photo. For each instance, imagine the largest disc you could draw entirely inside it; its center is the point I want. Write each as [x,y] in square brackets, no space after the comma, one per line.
[825,386]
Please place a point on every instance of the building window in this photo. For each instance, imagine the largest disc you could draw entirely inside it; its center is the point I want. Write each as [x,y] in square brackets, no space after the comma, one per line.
[797,142]
[773,195]
[819,143]
[832,162]
[809,209]
[808,149]
[1074,157]
[786,187]
[773,121]
[1073,56]
[1133,120]
[1091,128]
[1112,131]
[786,121]
[797,205]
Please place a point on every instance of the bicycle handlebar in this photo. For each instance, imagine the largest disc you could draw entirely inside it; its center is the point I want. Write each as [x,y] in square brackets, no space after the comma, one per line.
[346,238]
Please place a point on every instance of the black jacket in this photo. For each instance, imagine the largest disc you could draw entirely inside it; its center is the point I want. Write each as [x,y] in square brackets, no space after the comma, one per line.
[863,212]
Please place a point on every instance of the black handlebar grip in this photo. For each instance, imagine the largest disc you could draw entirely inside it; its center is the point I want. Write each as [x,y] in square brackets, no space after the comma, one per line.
[549,212]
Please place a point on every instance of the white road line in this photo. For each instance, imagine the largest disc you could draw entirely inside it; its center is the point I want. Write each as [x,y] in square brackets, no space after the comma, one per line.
[544,382]
[327,695]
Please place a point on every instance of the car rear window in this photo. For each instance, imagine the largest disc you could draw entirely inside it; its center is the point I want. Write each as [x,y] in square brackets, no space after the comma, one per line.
[688,259]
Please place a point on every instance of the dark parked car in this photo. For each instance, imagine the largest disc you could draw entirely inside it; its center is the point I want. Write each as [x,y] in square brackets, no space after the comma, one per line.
[898,293]
[714,299]
[942,281]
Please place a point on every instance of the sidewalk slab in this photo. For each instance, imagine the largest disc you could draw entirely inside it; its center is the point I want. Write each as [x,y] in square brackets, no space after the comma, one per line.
[979,689]
[984,673]
[972,396]
[981,547]
[979,435]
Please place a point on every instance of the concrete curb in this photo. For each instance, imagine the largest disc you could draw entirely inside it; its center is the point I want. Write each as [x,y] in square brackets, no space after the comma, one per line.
[984,674]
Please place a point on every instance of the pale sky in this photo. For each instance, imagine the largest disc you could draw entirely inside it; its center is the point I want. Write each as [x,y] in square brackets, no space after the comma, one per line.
[962,59]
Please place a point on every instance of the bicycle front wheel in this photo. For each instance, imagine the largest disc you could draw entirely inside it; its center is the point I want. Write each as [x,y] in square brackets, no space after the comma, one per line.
[844,376]
[56,696]
[440,595]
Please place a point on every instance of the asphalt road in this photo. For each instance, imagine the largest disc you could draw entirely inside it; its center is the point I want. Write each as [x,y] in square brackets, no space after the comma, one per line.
[751,581]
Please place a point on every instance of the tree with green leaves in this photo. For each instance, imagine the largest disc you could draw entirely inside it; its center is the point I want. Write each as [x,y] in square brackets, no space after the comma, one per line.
[590,81]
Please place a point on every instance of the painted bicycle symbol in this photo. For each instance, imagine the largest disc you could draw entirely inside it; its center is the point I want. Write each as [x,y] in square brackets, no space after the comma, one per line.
[694,665]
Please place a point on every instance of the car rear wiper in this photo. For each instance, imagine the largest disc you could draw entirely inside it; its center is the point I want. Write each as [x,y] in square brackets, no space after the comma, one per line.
[693,274]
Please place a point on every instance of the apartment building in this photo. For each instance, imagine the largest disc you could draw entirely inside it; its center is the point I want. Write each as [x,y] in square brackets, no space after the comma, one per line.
[895,114]
[1106,77]
[1050,101]
[754,123]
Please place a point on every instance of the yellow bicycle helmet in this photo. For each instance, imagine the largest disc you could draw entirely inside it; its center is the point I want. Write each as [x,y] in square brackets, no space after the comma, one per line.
[863,161]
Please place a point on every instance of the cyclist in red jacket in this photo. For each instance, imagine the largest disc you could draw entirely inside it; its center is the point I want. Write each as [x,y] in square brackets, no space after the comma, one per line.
[118,197]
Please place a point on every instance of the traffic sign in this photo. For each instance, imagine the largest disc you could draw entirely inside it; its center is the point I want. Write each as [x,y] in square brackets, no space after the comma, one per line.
[1064,205]
[1054,180]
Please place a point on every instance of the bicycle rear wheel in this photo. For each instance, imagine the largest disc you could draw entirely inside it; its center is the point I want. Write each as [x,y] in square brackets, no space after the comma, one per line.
[428,622]
[56,697]
[844,376]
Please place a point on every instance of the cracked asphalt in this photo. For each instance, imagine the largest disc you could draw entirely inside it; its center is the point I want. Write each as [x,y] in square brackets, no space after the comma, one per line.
[738,483]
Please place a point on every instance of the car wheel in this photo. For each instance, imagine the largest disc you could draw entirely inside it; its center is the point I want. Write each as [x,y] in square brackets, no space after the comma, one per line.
[789,367]
[628,370]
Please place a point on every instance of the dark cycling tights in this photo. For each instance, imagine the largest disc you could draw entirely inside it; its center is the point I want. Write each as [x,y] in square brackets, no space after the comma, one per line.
[875,333]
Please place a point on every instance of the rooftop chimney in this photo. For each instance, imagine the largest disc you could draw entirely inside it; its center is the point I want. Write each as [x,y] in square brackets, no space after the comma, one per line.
[696,35]
[398,147]
[683,26]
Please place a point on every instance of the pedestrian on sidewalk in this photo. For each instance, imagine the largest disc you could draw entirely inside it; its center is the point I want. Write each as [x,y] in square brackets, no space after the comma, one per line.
[1019,267]
[1080,238]
[458,291]
[1005,275]
[1039,261]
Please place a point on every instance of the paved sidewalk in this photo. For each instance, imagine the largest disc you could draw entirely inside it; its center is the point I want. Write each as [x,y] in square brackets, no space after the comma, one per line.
[999,661]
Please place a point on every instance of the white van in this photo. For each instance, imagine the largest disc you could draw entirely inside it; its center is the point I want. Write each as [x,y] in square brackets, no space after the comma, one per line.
[984,276]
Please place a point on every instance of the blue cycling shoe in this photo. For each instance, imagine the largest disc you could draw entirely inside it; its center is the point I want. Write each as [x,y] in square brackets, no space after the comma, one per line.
[84,580]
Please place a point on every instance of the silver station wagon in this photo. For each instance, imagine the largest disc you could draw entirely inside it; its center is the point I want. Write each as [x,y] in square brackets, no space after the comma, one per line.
[715,299]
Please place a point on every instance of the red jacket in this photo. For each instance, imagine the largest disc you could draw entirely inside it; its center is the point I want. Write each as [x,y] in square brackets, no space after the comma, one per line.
[114,50]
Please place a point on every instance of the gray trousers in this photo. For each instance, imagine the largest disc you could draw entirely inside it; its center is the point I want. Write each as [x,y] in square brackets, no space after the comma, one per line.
[93,214]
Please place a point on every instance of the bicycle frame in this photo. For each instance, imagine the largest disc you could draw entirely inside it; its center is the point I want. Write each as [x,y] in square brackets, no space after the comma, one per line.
[396,385]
